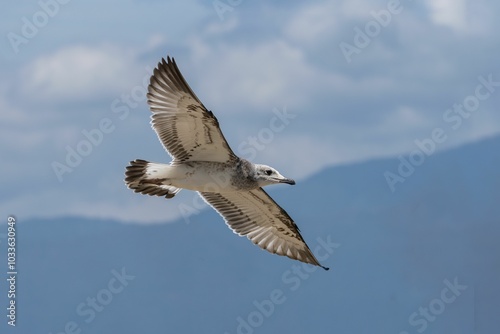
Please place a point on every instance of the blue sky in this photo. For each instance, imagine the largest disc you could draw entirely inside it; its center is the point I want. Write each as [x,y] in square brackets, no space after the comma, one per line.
[277,76]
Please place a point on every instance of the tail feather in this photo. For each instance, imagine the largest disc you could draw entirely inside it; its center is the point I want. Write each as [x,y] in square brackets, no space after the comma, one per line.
[142,177]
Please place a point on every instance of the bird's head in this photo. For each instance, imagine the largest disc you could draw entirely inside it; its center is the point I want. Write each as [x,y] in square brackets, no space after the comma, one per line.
[266,175]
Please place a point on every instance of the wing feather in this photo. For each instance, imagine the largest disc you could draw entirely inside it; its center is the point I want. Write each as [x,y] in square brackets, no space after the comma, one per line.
[257,216]
[187,130]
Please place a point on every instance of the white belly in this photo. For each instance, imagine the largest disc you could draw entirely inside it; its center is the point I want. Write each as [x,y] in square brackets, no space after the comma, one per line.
[202,176]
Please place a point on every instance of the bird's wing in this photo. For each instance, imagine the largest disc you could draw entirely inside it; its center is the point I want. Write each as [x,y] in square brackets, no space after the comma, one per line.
[257,216]
[187,130]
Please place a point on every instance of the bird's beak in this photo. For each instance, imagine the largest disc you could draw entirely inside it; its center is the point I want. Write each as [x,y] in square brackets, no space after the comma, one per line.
[288,181]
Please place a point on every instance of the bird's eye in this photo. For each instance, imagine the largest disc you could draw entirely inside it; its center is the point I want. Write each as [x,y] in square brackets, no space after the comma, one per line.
[268,172]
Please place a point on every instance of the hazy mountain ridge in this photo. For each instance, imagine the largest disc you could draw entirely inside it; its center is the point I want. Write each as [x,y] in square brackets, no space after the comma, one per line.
[396,250]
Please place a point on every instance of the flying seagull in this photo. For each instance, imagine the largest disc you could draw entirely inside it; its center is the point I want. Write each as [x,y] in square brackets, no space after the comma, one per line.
[203,161]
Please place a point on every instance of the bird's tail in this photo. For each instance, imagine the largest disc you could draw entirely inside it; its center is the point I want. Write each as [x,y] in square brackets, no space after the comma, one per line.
[148,178]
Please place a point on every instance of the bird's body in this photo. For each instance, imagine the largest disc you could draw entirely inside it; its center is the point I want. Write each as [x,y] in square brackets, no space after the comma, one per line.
[203,176]
[204,162]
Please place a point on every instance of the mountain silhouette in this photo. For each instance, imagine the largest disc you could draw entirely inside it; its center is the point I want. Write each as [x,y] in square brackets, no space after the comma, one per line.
[421,258]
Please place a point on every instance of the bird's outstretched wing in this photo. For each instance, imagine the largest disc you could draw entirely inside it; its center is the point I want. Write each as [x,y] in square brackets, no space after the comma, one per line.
[257,216]
[187,130]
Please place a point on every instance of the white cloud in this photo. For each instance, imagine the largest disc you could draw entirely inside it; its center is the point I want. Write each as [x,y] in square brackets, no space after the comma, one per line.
[404,119]
[481,124]
[69,202]
[155,41]
[311,23]
[20,129]
[254,76]
[299,156]
[10,115]
[222,27]
[450,13]
[143,209]
[80,73]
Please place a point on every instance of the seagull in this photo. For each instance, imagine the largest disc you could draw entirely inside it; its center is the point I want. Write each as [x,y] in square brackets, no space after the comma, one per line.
[202,161]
